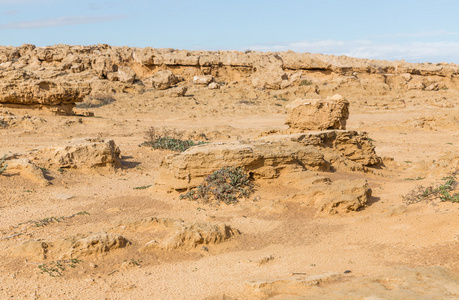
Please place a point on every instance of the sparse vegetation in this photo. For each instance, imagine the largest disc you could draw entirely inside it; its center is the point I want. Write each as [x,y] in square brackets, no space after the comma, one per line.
[55,268]
[3,164]
[226,185]
[143,187]
[305,82]
[418,178]
[47,221]
[168,139]
[442,192]
[281,98]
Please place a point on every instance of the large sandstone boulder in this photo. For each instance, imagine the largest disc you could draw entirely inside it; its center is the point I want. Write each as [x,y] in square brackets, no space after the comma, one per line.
[270,156]
[126,74]
[41,88]
[269,72]
[161,80]
[79,153]
[202,79]
[327,114]
[104,66]
[338,197]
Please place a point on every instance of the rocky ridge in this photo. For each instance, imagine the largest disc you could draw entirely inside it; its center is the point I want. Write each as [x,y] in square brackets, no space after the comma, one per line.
[60,76]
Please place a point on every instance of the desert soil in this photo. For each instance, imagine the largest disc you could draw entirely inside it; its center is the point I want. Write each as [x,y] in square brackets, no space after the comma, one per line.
[389,249]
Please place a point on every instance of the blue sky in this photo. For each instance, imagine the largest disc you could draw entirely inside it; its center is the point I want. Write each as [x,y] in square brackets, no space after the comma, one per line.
[414,30]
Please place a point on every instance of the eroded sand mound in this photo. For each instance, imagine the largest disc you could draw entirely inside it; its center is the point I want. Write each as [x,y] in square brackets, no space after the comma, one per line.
[79,246]
[180,235]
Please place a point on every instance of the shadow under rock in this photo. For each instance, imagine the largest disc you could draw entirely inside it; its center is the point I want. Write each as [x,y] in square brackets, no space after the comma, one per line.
[372,200]
[125,164]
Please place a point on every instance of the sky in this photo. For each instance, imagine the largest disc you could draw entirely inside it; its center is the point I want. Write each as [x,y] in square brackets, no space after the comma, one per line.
[413,30]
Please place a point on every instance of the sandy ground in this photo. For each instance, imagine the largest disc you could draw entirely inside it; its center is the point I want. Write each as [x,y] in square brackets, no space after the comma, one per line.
[389,250]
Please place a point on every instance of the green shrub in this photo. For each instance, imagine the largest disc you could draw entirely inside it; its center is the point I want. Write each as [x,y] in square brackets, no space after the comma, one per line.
[168,139]
[306,82]
[227,185]
[3,165]
[442,192]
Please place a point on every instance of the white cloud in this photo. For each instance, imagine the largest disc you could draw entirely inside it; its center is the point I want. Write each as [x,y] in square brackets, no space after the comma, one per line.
[419,34]
[409,51]
[64,21]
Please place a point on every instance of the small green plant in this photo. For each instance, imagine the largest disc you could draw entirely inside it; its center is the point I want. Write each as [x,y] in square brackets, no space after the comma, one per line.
[168,139]
[55,268]
[418,178]
[143,187]
[3,165]
[47,221]
[442,192]
[280,98]
[135,262]
[227,185]
[61,170]
[306,82]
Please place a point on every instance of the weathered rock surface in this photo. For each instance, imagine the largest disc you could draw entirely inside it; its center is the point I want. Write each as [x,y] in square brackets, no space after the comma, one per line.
[8,119]
[161,80]
[48,88]
[327,114]
[269,156]
[182,235]
[79,153]
[78,246]
[338,197]
[27,169]
[191,236]
[179,91]
[395,283]
[202,79]
[126,74]
[96,244]
[63,75]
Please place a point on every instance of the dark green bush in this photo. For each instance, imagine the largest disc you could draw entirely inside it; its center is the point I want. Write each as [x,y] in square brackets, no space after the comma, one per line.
[3,165]
[168,139]
[227,185]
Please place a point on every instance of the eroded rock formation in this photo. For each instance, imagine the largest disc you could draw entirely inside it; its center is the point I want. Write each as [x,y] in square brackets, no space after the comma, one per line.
[60,76]
[267,157]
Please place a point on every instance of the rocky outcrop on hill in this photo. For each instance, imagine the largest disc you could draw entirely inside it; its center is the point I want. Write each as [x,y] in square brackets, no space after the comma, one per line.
[267,157]
[62,75]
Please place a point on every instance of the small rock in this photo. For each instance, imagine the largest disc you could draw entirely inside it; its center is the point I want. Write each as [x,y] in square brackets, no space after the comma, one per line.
[213,86]
[63,196]
[202,79]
